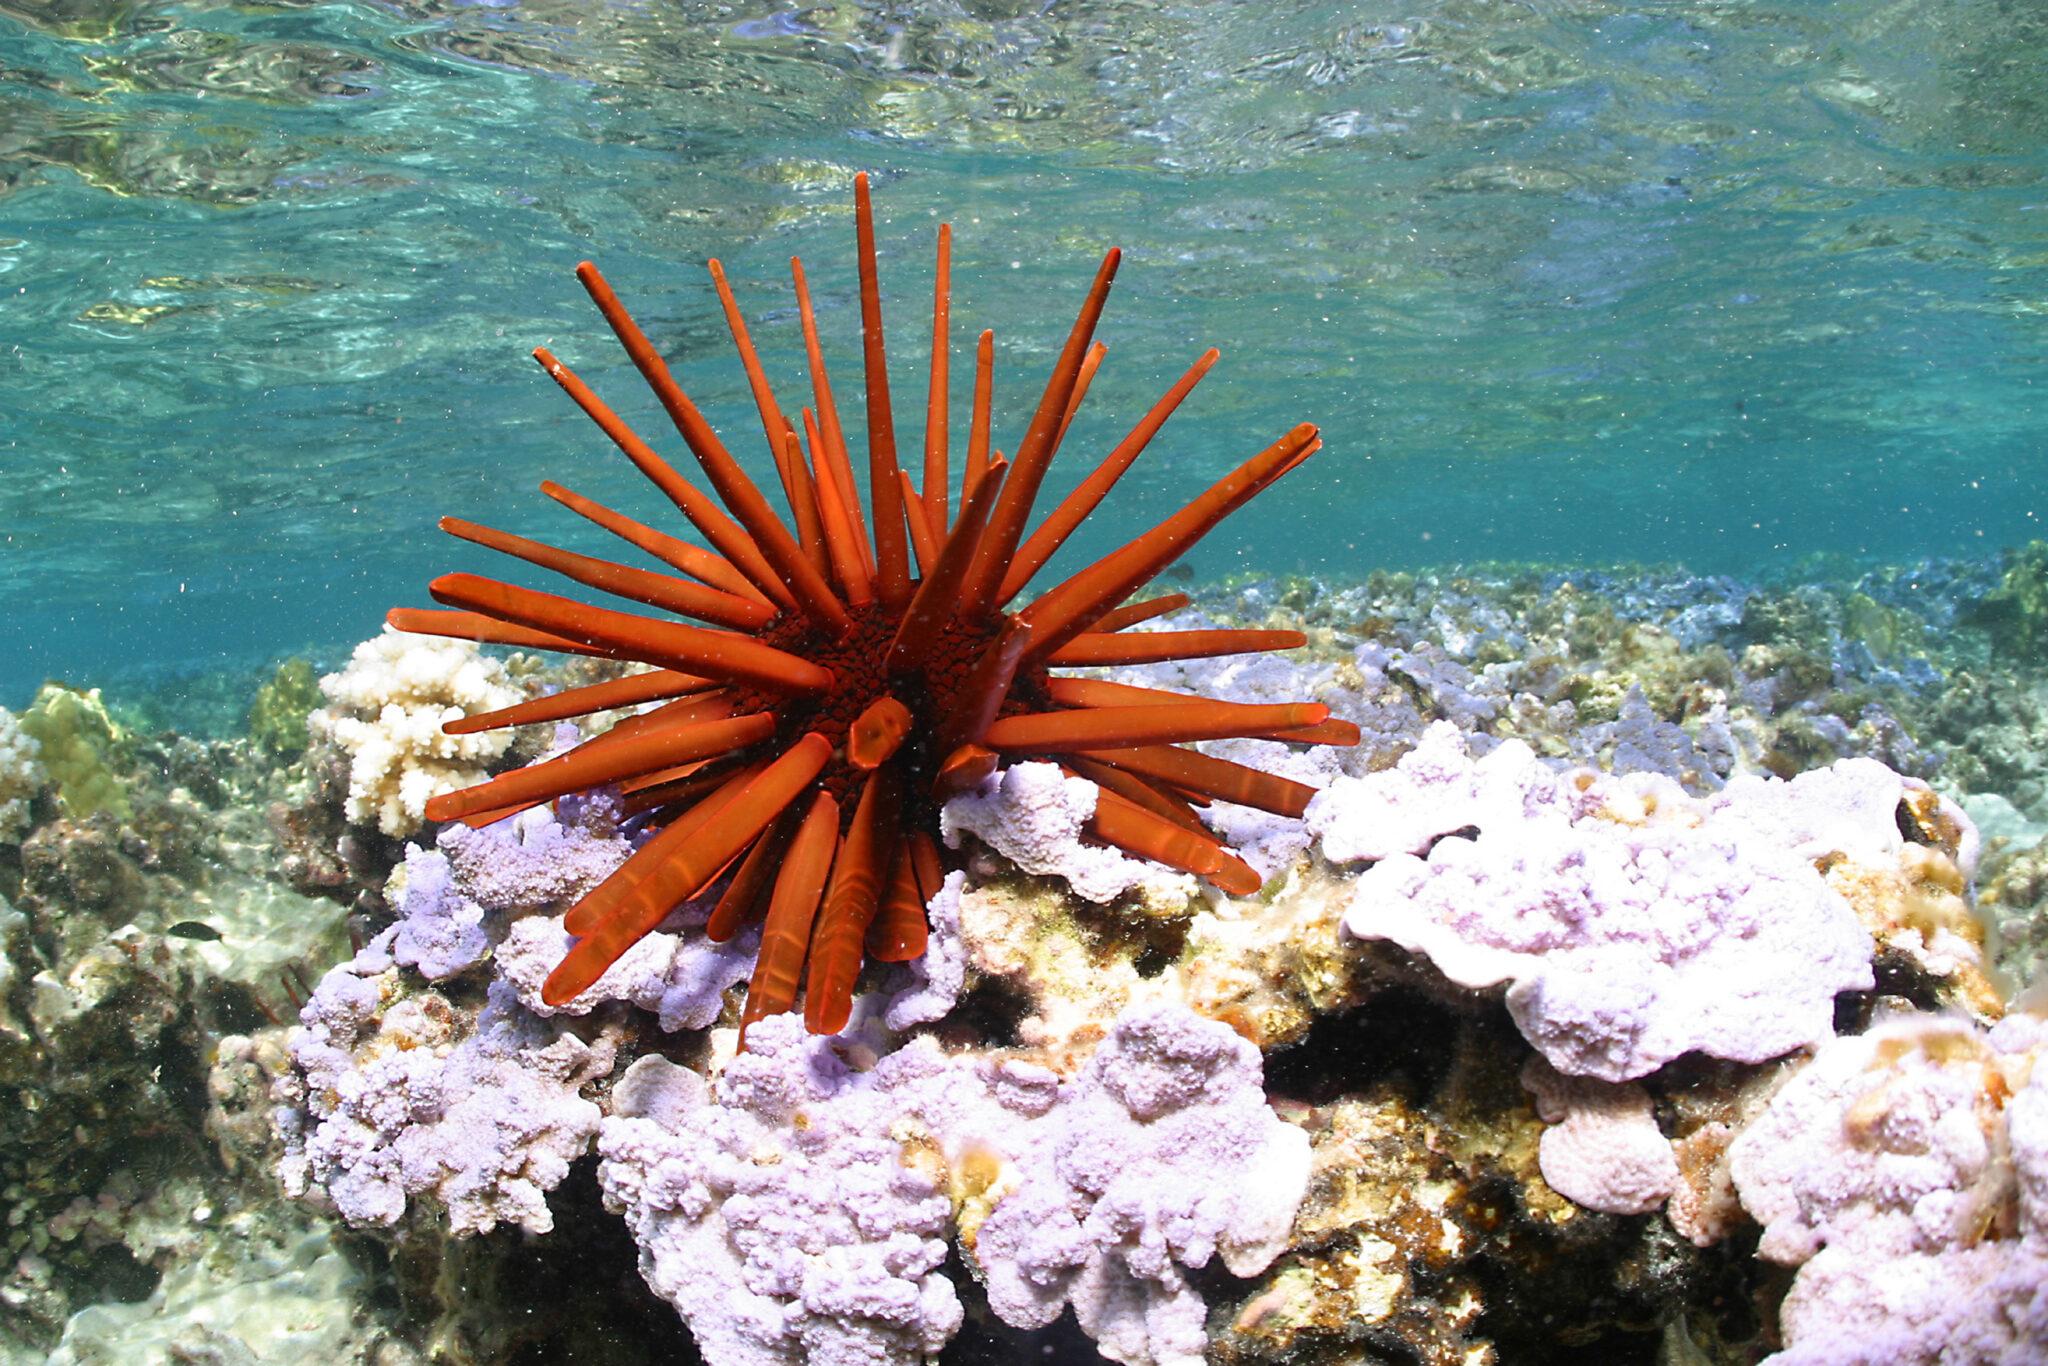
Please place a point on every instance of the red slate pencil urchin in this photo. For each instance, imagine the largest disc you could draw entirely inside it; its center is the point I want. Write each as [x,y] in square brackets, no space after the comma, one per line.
[807,732]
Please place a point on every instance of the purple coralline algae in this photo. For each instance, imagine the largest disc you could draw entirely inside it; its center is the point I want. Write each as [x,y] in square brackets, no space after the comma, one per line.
[680,977]
[535,859]
[798,1209]
[1033,815]
[1905,1172]
[932,982]
[1630,923]
[440,931]
[794,1211]
[1601,1147]
[1159,1156]
[396,1096]
[529,861]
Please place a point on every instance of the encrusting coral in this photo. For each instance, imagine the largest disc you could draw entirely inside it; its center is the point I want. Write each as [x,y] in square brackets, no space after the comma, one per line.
[1634,923]
[807,731]
[1905,1172]
[277,715]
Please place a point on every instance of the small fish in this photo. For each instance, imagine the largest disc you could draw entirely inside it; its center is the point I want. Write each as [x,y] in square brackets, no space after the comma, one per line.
[193,929]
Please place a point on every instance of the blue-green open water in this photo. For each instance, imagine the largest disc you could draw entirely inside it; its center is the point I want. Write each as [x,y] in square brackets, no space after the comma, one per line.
[1721,283]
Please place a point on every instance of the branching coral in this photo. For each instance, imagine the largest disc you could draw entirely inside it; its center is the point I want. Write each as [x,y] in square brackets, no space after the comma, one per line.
[806,731]
[386,711]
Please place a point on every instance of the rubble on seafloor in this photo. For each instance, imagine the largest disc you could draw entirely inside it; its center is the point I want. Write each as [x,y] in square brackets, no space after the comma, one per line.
[1641,986]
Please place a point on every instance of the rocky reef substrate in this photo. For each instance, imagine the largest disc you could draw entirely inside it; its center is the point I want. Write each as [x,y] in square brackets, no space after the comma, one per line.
[1652,982]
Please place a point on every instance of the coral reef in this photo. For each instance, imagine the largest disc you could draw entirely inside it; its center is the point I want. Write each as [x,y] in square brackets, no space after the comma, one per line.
[1144,1117]
[127,947]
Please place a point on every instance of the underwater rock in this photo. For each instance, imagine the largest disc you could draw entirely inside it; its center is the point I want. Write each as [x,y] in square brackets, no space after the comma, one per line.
[263,1294]
[1380,1254]
[1268,966]
[2014,899]
[132,946]
[1994,726]
[2015,613]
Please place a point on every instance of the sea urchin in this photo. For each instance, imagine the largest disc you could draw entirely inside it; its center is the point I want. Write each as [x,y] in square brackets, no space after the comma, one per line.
[806,733]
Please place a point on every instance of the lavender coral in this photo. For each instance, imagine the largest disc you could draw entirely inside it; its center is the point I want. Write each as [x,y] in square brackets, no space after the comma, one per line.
[1159,1156]
[1630,922]
[1905,1171]
[1602,1148]
[1035,816]
[797,1210]
[785,1211]
[396,1096]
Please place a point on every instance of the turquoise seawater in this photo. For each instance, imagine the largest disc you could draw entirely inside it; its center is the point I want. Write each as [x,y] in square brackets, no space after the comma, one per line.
[1725,284]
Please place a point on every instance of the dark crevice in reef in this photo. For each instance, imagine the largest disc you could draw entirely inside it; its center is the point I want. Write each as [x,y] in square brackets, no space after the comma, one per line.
[510,1299]
[1396,1037]
[1602,1287]
[989,1014]
[113,1274]
[985,1340]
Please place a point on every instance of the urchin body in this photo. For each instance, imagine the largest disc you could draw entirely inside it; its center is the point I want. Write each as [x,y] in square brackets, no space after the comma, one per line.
[796,744]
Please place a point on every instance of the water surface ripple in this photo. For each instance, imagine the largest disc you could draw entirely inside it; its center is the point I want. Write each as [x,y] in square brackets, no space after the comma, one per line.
[1722,283]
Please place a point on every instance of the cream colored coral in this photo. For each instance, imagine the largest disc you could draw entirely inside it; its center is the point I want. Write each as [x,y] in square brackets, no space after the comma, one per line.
[20,775]
[385,710]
